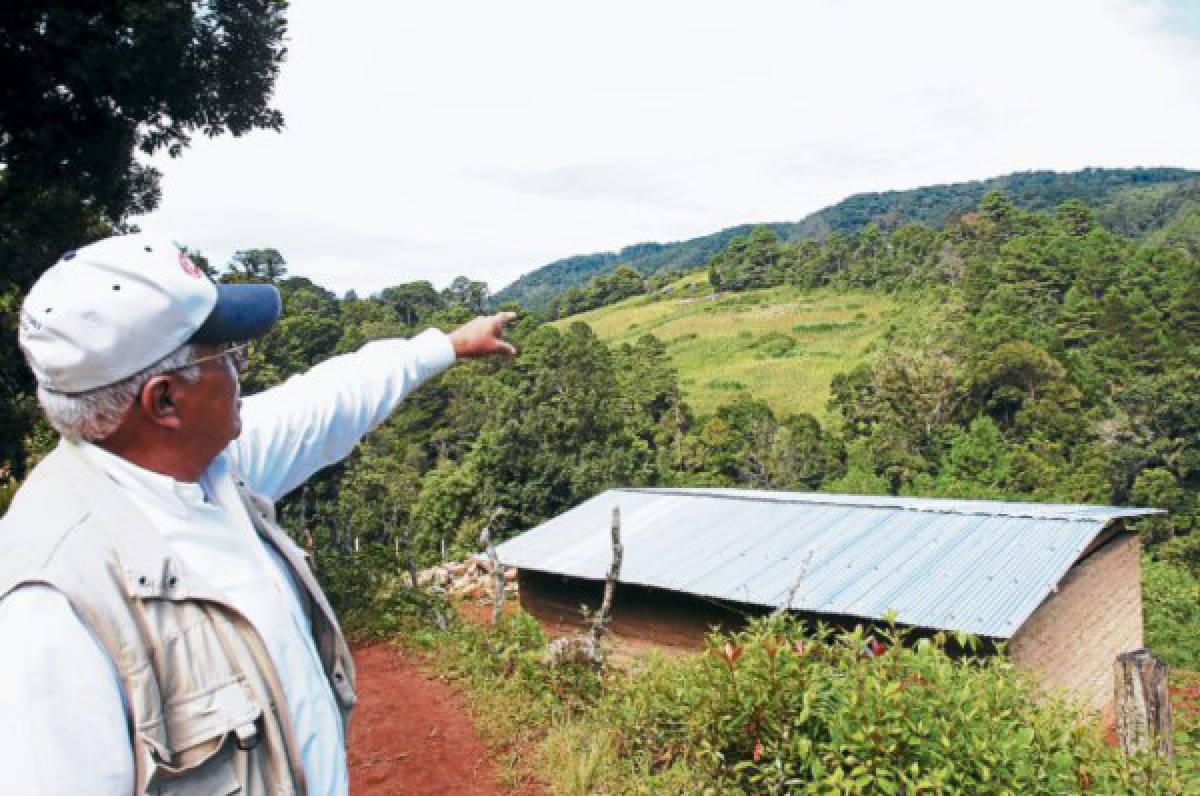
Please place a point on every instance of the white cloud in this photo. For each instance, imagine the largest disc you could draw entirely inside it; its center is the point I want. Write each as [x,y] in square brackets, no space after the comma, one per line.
[428,140]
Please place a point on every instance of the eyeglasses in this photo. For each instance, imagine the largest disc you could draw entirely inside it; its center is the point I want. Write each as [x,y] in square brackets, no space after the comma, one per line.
[236,355]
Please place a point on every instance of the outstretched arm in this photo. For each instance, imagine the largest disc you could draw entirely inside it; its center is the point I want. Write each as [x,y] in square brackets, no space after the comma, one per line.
[316,418]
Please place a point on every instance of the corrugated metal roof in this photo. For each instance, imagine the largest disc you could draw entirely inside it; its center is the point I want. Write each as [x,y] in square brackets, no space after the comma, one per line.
[978,566]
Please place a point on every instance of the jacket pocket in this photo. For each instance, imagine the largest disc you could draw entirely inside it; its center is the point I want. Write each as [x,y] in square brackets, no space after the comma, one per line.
[216,776]
[201,734]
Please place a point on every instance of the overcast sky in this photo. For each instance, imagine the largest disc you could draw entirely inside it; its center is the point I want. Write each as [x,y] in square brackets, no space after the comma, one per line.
[425,140]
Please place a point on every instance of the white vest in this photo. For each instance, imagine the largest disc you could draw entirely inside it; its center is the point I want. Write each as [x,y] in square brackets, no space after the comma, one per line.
[207,711]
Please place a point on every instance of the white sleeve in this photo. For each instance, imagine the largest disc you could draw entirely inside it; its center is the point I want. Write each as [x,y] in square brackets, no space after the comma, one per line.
[62,720]
[316,418]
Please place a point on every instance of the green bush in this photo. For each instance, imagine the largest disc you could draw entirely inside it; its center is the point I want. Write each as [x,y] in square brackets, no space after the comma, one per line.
[773,710]
[371,601]
[1171,602]
[774,345]
[506,662]
[1183,551]
[825,326]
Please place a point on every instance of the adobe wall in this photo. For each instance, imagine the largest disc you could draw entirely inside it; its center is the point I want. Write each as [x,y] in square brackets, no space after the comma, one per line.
[647,616]
[1072,640]
[639,614]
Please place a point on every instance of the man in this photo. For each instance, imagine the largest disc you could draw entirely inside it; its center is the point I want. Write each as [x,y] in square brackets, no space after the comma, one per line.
[160,633]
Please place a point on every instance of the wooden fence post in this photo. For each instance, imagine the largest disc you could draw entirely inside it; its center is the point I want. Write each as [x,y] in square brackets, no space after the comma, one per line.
[1143,704]
[610,582]
[409,555]
[485,539]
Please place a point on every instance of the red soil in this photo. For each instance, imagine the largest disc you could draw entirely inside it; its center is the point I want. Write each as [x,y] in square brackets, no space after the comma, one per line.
[409,733]
[1186,700]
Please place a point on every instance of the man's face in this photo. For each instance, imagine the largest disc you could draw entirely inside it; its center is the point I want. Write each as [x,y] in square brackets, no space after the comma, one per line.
[211,407]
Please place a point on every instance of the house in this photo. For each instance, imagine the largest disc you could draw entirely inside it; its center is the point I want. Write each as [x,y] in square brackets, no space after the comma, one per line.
[1059,584]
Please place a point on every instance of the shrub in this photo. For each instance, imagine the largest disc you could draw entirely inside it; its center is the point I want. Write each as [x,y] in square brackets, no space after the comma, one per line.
[1186,715]
[775,345]
[774,710]
[1171,601]
[1183,551]
[825,326]
[371,600]
[509,658]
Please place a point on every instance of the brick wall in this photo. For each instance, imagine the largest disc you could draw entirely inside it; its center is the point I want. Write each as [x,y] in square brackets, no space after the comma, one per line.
[1072,640]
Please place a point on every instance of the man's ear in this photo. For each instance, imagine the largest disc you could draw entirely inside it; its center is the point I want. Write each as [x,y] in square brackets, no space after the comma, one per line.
[157,402]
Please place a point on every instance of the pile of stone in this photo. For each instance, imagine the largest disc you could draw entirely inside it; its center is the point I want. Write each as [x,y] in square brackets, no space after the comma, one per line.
[467,580]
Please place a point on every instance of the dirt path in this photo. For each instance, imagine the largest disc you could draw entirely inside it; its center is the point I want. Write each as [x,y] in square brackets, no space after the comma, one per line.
[410,733]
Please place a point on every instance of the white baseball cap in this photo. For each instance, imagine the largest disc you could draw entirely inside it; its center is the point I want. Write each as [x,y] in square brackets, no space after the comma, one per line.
[109,309]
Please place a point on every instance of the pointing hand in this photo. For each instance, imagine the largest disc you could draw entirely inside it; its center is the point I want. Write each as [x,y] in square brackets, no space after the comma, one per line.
[483,336]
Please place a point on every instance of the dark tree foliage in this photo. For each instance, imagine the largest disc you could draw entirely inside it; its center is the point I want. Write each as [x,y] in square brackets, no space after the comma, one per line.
[257,265]
[599,292]
[413,302]
[87,85]
[758,260]
[467,293]
[1074,379]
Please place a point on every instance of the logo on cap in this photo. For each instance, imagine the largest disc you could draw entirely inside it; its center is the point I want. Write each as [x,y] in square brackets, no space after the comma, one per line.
[30,322]
[187,265]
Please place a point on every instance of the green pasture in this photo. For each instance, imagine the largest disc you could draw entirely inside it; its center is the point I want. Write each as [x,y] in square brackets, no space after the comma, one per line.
[782,345]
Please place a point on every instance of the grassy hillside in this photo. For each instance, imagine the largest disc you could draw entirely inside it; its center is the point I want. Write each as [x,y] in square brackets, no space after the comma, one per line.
[782,345]
[1132,201]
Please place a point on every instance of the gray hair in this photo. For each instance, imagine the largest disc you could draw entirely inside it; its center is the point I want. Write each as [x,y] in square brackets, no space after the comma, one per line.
[95,414]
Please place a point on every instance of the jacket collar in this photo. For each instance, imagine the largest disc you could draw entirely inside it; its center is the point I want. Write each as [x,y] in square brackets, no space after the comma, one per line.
[150,568]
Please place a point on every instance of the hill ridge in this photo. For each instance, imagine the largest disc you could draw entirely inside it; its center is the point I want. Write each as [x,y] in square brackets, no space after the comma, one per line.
[930,204]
